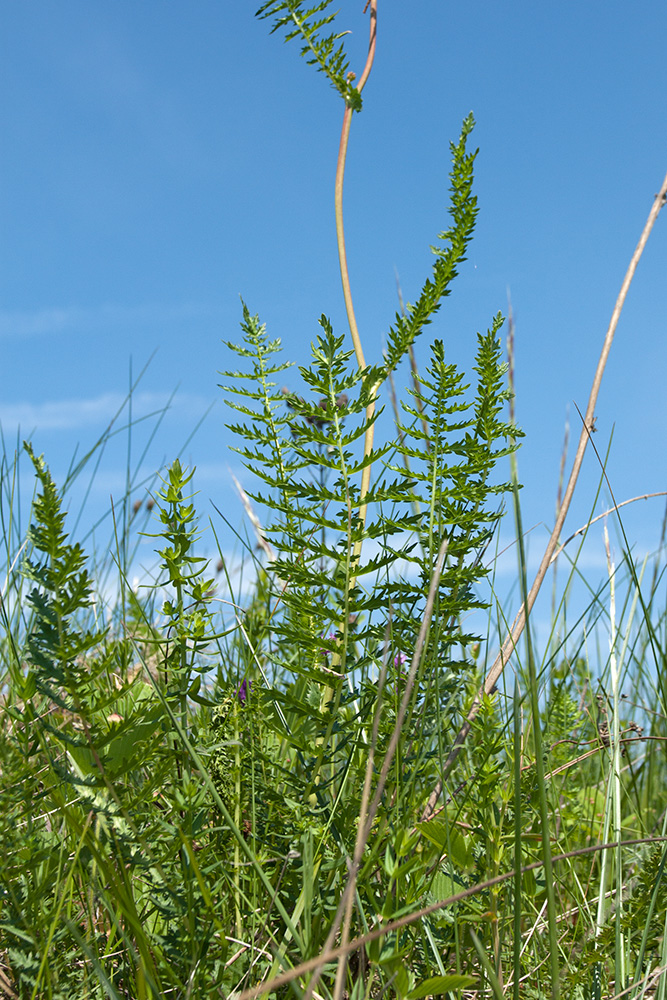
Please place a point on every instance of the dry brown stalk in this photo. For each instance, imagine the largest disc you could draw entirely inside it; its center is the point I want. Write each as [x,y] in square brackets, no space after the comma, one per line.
[605,513]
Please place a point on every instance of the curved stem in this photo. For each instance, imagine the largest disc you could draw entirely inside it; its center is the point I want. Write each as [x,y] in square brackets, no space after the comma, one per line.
[342,259]
[371,45]
[338,192]
[605,513]
[520,620]
[340,237]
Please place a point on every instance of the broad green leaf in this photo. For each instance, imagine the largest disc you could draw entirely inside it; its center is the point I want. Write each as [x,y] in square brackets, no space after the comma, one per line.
[440,984]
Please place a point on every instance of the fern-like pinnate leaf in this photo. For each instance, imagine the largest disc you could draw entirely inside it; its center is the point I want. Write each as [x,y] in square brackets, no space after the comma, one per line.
[187,608]
[56,644]
[325,52]
[308,452]
[452,444]
[449,255]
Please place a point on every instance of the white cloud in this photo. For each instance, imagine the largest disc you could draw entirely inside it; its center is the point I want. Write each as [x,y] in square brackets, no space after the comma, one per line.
[74,319]
[67,414]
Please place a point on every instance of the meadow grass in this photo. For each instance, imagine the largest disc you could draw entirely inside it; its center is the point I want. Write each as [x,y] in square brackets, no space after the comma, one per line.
[314,778]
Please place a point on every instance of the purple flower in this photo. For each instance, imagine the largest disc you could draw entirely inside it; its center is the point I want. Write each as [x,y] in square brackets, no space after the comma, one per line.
[331,637]
[400,659]
[243,692]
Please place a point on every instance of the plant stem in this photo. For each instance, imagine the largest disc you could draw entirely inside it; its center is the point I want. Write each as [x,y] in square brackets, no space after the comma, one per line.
[344,272]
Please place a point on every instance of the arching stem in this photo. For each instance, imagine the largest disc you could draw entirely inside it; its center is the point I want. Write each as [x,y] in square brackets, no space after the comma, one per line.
[344,273]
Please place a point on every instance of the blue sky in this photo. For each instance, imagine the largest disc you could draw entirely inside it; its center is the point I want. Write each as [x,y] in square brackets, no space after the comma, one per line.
[159,160]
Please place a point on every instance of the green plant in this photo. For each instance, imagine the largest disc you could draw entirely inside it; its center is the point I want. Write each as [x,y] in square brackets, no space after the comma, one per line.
[316,786]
